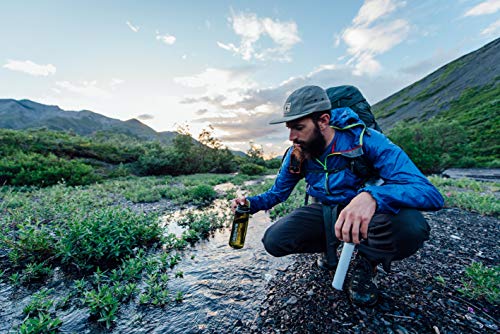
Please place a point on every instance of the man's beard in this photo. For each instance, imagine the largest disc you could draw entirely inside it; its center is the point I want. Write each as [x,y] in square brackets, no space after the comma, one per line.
[314,147]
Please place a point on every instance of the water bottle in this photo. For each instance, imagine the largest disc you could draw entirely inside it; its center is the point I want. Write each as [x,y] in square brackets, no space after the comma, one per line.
[239,228]
[343,265]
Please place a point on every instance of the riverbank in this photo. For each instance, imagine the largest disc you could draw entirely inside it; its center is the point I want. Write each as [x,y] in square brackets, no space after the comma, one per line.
[420,295]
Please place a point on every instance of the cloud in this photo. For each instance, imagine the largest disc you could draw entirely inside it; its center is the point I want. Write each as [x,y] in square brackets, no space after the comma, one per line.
[167,39]
[201,112]
[145,117]
[492,30]
[484,8]
[221,86]
[239,120]
[251,28]
[372,34]
[84,88]
[115,82]
[373,10]
[132,27]
[29,67]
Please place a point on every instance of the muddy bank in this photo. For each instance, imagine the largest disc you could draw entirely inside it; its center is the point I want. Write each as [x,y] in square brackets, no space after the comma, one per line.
[301,300]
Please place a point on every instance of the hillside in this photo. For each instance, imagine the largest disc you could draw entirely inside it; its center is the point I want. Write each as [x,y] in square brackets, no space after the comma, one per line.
[26,114]
[454,109]
[438,92]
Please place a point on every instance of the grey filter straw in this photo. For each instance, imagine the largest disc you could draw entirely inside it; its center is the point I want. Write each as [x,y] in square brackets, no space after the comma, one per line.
[343,265]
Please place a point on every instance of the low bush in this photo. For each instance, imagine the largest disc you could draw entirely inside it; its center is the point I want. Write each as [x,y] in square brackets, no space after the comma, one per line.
[102,238]
[252,169]
[482,282]
[202,193]
[37,169]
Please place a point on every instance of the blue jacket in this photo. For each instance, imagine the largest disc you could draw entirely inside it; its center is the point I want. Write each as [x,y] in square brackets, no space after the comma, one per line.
[403,183]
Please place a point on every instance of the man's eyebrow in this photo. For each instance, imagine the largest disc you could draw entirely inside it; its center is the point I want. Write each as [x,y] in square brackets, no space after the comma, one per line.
[292,124]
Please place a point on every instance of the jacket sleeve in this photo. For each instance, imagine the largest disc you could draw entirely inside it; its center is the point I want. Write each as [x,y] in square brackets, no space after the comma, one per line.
[279,192]
[404,185]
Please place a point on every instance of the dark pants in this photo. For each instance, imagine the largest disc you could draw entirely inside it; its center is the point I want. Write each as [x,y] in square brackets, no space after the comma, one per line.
[390,237]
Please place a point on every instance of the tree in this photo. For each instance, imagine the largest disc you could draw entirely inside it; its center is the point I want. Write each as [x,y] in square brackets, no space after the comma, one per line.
[256,154]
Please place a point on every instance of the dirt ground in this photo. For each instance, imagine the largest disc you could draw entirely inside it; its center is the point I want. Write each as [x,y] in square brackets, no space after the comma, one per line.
[301,299]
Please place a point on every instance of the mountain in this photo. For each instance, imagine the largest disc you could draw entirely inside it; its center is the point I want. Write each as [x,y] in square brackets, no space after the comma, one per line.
[471,78]
[26,114]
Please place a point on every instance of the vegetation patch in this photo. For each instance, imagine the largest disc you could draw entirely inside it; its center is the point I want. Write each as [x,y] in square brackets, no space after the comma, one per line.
[463,135]
[113,251]
[482,282]
[481,197]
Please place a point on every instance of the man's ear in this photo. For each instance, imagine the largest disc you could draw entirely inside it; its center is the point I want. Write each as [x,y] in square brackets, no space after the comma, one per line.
[324,121]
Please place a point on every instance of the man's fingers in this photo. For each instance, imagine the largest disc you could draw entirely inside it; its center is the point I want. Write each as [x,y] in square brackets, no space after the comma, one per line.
[338,226]
[355,231]
[364,230]
[346,231]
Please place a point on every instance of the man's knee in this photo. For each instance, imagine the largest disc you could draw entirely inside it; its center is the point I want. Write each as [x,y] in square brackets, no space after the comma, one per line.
[271,243]
[410,230]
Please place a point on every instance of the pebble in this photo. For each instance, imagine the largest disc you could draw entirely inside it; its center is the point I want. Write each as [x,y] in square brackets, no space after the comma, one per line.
[409,293]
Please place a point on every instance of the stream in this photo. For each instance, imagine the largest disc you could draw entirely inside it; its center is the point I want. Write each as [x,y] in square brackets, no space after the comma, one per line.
[222,287]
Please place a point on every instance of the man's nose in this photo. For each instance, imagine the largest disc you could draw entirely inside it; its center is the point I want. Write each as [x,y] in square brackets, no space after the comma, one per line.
[292,136]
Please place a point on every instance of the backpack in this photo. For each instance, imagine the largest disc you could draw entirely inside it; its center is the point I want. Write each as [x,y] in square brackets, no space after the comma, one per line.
[350,96]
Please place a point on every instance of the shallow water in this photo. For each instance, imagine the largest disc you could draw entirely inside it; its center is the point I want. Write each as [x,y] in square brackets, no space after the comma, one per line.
[220,285]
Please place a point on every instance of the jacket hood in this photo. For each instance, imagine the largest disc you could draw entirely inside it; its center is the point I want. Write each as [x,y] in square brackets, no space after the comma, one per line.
[344,117]
[351,126]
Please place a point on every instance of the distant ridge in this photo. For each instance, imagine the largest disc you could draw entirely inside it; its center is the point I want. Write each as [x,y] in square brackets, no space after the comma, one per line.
[27,114]
[437,92]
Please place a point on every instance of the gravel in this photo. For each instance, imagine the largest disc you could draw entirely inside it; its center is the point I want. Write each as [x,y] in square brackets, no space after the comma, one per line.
[301,299]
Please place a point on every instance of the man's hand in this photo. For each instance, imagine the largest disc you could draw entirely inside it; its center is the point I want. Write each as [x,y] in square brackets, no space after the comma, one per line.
[238,201]
[355,218]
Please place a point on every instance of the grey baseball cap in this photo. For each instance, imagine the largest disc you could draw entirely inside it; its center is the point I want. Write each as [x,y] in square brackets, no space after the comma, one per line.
[302,102]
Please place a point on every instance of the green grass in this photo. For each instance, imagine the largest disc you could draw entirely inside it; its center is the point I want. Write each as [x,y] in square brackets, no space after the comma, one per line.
[477,111]
[482,282]
[481,197]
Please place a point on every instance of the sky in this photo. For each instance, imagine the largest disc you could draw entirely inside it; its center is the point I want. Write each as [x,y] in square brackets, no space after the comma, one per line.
[229,64]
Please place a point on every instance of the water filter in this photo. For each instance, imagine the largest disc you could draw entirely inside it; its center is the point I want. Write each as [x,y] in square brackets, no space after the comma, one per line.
[343,265]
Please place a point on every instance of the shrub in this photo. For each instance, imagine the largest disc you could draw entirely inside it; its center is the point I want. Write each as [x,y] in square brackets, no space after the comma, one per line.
[102,238]
[274,163]
[434,145]
[102,303]
[41,170]
[33,242]
[252,169]
[482,282]
[202,193]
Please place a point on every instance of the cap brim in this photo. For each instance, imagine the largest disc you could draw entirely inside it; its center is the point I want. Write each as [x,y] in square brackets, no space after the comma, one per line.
[287,119]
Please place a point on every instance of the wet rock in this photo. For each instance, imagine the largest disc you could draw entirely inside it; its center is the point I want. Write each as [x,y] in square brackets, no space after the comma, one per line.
[292,300]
